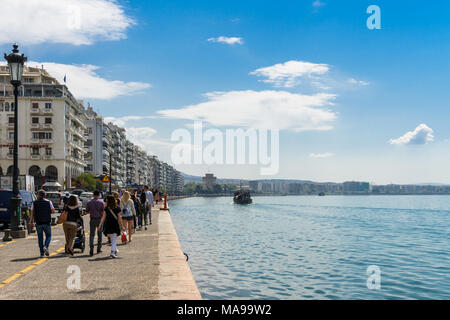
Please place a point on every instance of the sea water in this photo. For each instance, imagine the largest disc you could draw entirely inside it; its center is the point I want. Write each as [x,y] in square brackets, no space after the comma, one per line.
[310,247]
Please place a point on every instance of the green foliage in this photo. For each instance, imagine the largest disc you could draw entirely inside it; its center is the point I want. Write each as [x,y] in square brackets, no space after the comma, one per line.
[88,181]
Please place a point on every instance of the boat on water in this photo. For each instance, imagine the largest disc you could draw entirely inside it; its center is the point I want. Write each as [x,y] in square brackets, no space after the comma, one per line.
[242,197]
[321,194]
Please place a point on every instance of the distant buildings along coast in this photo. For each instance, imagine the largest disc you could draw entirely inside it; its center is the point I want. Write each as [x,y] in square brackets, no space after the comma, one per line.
[346,188]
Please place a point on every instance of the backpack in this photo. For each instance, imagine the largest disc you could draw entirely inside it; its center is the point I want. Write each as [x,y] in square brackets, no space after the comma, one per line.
[126,211]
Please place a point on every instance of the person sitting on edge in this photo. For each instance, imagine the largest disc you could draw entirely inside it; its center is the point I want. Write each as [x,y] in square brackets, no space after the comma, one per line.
[41,212]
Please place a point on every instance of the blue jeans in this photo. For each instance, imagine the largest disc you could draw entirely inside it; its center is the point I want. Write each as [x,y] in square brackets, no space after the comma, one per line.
[41,229]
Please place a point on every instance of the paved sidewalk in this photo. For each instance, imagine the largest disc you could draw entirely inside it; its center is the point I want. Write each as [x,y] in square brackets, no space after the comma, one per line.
[137,273]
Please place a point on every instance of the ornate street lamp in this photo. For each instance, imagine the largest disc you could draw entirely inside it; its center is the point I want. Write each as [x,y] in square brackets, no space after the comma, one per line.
[15,64]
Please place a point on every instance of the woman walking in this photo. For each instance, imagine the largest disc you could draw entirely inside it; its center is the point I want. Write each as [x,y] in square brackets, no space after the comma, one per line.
[127,213]
[134,197]
[70,225]
[113,223]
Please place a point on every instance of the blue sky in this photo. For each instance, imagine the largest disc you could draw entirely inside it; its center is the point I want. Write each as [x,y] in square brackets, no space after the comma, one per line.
[385,82]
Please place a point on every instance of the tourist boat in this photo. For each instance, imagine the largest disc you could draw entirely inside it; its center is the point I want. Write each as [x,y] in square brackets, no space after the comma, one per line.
[242,197]
[321,194]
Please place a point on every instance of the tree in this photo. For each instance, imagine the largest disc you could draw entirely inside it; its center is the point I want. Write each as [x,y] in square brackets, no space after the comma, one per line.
[88,181]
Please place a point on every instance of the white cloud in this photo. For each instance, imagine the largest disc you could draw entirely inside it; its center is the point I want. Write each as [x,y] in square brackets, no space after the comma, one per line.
[227,40]
[358,82]
[261,110]
[288,74]
[121,121]
[143,137]
[421,135]
[321,155]
[78,22]
[84,82]
[317,4]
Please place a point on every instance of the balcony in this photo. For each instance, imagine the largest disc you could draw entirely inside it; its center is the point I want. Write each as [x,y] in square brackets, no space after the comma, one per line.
[48,157]
[10,125]
[48,126]
[48,111]
[35,157]
[34,126]
[35,111]
[48,140]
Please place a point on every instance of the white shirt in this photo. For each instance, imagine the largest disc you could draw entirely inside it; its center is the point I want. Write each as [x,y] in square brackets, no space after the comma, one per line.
[149,198]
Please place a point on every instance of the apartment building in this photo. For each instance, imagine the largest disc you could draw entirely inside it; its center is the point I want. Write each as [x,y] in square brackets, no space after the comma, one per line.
[59,139]
[95,153]
[51,128]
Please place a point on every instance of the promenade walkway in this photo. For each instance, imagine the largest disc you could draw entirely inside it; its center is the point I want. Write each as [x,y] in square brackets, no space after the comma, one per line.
[152,266]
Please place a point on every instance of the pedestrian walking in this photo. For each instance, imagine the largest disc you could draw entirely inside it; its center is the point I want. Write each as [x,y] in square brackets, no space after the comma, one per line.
[41,213]
[156,196]
[112,223]
[127,213]
[148,203]
[136,209]
[95,207]
[70,217]
[116,197]
[143,210]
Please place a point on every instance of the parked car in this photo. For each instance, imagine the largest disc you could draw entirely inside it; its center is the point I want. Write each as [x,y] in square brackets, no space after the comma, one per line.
[56,199]
[85,197]
[5,207]
[77,192]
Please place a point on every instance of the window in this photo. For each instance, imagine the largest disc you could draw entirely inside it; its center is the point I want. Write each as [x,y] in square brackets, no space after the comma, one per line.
[42,135]
[1,105]
[48,106]
[34,120]
[48,151]
[11,120]
[35,105]
[7,106]
[10,135]
[48,120]
[34,151]
[12,106]
[88,143]
[10,151]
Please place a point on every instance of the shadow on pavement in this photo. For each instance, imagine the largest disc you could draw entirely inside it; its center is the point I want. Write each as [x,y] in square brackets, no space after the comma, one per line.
[91,291]
[103,259]
[37,258]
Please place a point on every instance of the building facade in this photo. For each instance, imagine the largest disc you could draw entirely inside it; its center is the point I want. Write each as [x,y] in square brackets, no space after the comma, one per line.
[50,128]
[59,139]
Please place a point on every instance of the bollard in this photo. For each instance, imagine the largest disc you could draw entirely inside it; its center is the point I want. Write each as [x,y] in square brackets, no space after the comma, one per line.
[165,203]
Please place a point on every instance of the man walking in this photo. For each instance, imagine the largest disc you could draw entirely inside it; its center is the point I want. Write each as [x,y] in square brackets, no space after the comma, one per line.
[95,207]
[148,203]
[41,212]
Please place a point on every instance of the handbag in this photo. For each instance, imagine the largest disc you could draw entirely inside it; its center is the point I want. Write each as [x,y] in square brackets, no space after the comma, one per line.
[124,237]
[62,217]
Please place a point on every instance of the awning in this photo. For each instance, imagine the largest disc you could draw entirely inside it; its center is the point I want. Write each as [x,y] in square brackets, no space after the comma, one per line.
[51,184]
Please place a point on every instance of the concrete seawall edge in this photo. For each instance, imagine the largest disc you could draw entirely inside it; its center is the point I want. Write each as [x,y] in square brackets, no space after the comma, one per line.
[176,281]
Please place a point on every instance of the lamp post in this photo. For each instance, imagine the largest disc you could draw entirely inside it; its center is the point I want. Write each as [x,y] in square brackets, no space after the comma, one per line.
[15,64]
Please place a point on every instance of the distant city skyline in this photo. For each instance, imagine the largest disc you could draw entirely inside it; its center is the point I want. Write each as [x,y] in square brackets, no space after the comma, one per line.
[351,103]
